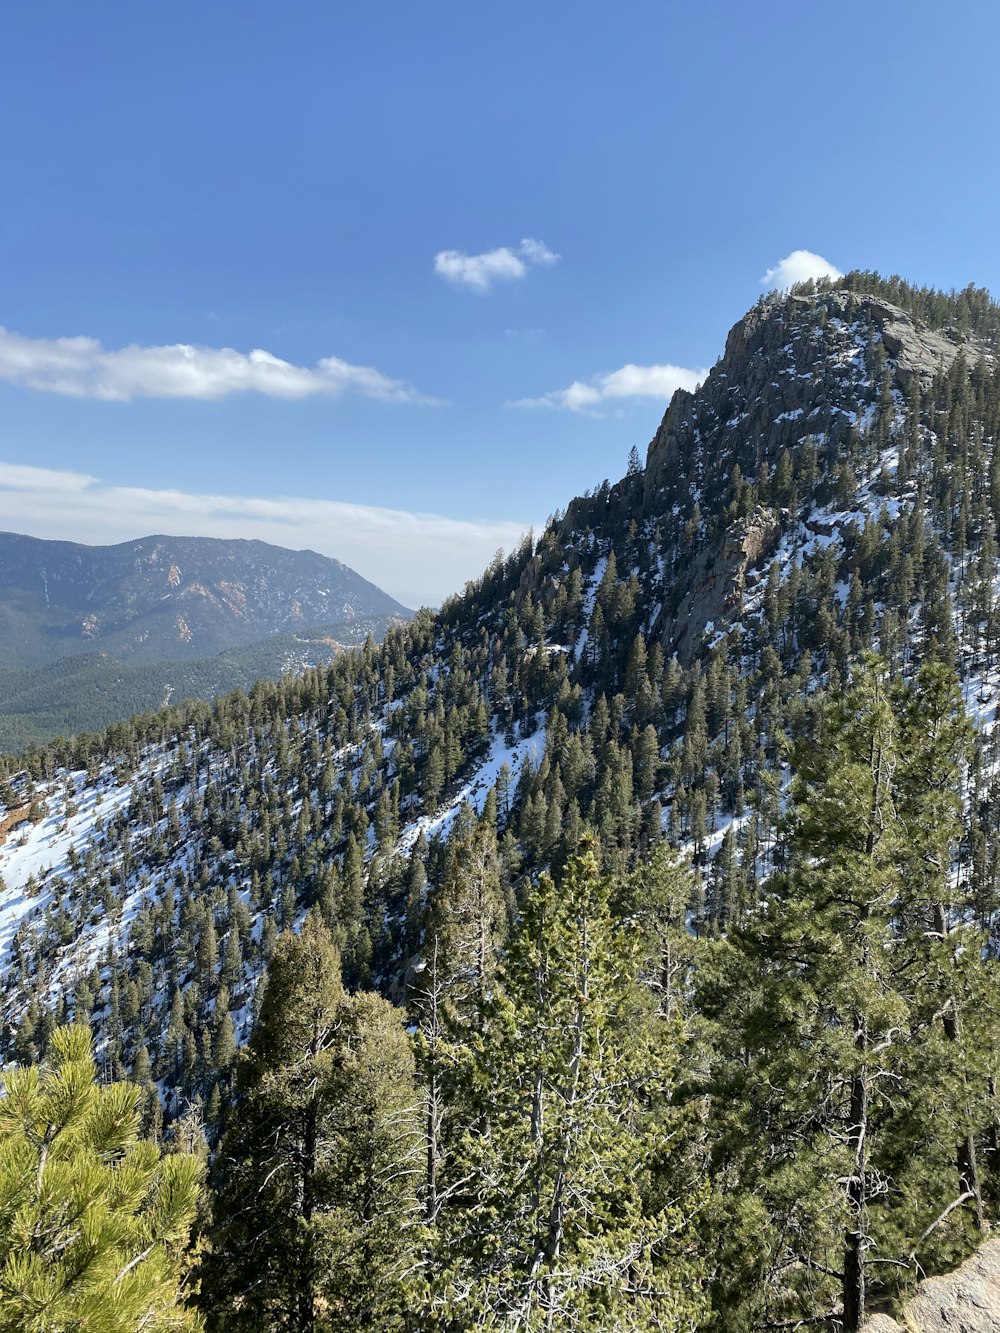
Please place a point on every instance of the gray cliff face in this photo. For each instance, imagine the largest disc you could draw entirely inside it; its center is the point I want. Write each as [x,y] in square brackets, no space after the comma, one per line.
[792,363]
[712,587]
[965,1301]
[919,353]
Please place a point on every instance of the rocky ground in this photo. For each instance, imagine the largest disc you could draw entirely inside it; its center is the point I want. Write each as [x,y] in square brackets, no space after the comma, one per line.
[965,1301]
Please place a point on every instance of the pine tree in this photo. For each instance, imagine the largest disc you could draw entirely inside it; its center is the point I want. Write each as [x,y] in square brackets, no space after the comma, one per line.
[952,988]
[315,1202]
[266,1269]
[558,1227]
[93,1220]
[468,917]
[372,1143]
[815,1055]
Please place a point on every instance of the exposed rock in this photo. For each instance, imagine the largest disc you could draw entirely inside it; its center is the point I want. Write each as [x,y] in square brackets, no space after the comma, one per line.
[920,352]
[821,527]
[788,365]
[716,581]
[965,1301]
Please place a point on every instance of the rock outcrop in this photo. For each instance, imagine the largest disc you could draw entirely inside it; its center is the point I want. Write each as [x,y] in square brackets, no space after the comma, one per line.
[965,1301]
[790,365]
[715,582]
[916,352]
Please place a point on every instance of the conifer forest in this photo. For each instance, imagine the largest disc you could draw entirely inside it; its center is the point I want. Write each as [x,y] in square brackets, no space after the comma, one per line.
[614,949]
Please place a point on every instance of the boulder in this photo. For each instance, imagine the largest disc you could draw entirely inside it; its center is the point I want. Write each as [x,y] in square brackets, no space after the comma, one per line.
[964,1301]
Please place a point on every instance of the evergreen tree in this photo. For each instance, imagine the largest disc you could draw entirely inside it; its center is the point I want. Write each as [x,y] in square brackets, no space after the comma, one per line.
[952,988]
[558,1226]
[314,1208]
[372,1143]
[94,1221]
[813,1062]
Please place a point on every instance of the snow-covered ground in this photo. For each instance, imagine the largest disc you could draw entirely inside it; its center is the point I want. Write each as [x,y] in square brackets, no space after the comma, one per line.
[476,788]
[36,854]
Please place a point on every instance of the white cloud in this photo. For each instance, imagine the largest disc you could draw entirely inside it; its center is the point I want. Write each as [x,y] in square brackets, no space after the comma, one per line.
[797,267]
[83,368]
[629,382]
[537,252]
[503,265]
[22,477]
[417,557]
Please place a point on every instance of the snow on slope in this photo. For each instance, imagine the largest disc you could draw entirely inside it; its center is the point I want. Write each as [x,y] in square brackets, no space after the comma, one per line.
[590,597]
[476,788]
[39,853]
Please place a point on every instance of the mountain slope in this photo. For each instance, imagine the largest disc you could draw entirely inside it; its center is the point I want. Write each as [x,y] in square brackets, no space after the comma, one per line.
[833,486]
[168,597]
[90,691]
[90,635]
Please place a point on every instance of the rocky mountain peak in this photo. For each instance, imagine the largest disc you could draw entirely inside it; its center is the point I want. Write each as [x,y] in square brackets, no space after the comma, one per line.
[796,365]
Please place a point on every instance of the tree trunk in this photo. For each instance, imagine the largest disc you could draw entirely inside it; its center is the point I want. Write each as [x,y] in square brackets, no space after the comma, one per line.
[965,1155]
[307,1296]
[856,1238]
[433,1097]
[857,1233]
[431,1181]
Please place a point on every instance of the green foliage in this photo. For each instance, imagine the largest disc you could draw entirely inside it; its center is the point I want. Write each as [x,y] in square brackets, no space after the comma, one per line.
[563,1220]
[315,1210]
[847,1109]
[94,1220]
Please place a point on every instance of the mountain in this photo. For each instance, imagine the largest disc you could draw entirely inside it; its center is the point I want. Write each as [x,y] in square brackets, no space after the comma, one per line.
[168,597]
[831,487]
[92,634]
[90,691]
[663,665]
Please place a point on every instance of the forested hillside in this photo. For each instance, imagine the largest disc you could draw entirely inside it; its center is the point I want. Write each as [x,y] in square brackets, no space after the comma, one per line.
[90,635]
[646,895]
[89,691]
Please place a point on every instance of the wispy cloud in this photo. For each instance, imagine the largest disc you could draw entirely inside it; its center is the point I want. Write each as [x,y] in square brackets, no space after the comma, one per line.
[629,382]
[503,265]
[22,477]
[83,368]
[417,557]
[798,267]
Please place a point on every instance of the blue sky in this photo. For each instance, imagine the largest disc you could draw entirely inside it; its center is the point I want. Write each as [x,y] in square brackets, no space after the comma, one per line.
[282,177]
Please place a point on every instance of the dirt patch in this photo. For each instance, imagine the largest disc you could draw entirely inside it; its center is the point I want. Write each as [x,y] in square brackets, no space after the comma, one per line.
[14,820]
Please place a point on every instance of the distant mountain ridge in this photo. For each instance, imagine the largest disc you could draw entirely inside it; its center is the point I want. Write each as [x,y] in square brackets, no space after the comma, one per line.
[168,597]
[91,634]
